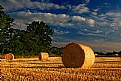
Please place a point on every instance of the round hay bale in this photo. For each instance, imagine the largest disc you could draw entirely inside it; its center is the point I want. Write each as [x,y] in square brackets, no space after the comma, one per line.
[77,55]
[43,56]
[9,56]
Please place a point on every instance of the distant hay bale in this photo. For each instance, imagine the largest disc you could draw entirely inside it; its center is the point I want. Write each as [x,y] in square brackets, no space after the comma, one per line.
[9,56]
[77,55]
[43,56]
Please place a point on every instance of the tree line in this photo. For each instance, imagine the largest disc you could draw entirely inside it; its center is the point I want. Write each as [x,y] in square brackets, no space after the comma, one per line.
[36,38]
[113,53]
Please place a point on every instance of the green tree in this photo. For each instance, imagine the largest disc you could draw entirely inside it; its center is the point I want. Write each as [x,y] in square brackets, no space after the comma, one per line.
[5,24]
[56,51]
[15,45]
[31,41]
[40,33]
[30,47]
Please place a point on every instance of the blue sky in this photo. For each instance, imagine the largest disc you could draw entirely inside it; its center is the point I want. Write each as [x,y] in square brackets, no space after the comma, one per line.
[96,23]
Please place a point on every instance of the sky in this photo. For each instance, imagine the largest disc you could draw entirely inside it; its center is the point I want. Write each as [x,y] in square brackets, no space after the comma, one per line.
[95,23]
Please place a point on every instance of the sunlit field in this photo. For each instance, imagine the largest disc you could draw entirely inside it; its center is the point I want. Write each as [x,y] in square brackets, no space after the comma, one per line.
[31,69]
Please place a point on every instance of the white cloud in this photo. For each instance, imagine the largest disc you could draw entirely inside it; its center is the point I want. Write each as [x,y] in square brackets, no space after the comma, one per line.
[81,8]
[96,10]
[19,24]
[91,22]
[78,18]
[114,14]
[118,23]
[116,18]
[18,4]
[61,32]
[53,19]
[111,19]
[94,13]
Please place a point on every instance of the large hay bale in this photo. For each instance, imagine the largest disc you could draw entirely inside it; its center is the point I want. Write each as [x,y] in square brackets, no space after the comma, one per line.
[77,55]
[43,56]
[9,56]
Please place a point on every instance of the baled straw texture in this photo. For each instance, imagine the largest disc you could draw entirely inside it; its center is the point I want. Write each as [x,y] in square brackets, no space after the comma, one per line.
[9,56]
[43,56]
[77,55]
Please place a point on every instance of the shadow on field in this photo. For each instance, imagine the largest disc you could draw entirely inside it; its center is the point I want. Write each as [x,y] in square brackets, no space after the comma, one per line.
[44,67]
[44,63]
[108,62]
[23,60]
[18,60]
[34,67]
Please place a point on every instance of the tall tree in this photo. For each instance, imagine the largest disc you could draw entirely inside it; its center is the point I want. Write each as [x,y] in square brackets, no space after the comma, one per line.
[5,20]
[15,45]
[5,24]
[40,33]
[33,40]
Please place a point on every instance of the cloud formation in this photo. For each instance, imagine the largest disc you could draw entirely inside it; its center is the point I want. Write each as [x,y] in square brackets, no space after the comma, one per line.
[20,10]
[81,8]
[53,19]
[87,21]
[116,18]
[12,5]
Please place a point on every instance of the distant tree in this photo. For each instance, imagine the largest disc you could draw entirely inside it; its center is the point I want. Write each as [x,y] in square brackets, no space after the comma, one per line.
[119,53]
[56,51]
[99,53]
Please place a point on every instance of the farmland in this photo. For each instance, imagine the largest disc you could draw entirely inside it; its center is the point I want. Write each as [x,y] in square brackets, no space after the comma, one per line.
[31,69]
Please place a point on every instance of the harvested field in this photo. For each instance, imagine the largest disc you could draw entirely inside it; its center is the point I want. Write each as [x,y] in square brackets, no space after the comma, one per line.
[32,69]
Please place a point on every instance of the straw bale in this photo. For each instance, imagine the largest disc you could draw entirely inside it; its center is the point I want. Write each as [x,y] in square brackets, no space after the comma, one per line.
[77,55]
[43,56]
[9,56]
